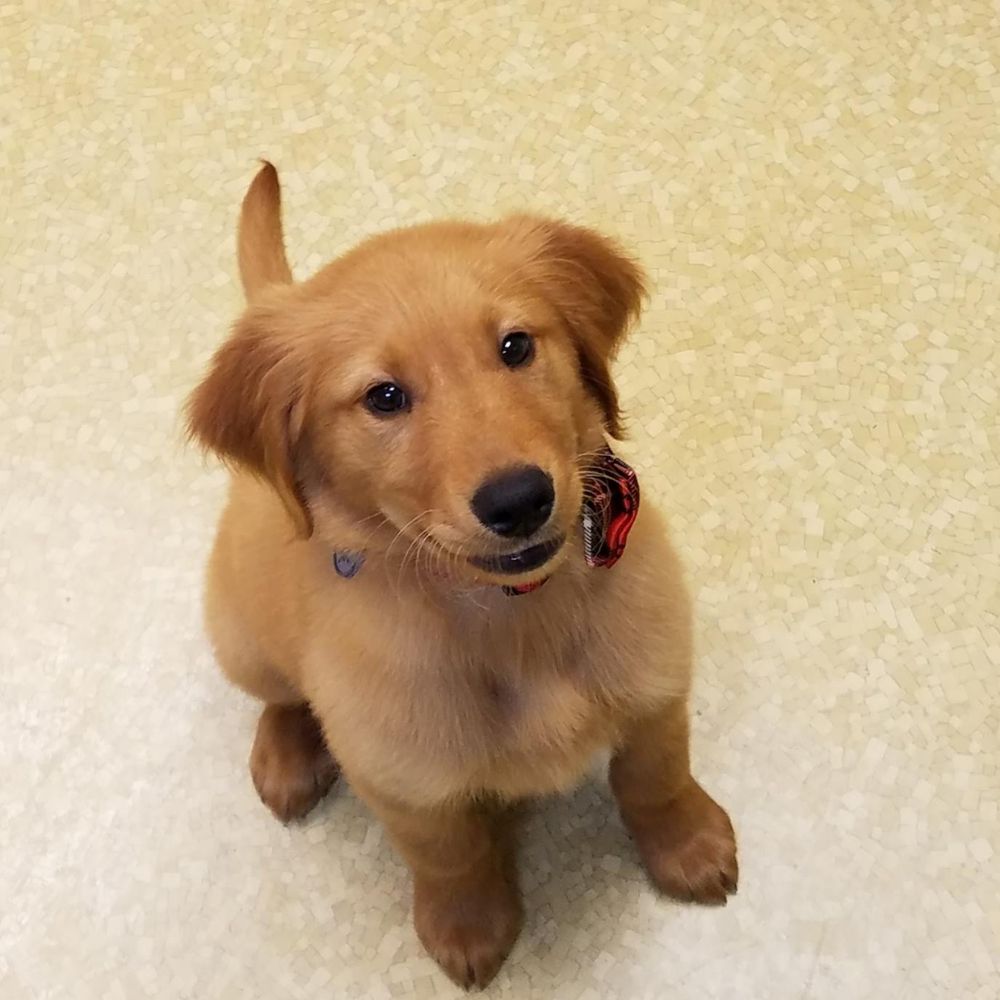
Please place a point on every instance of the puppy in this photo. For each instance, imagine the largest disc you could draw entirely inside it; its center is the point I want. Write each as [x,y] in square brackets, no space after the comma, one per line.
[422,569]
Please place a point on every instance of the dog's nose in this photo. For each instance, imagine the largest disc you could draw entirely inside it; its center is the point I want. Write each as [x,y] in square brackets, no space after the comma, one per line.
[516,502]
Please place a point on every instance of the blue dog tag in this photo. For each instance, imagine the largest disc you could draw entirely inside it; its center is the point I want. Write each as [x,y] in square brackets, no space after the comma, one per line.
[347,564]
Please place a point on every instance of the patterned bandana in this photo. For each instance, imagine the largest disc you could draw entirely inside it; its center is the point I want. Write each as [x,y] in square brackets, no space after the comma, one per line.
[609,511]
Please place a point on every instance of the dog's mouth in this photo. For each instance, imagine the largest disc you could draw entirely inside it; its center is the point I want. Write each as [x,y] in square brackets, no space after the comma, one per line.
[522,561]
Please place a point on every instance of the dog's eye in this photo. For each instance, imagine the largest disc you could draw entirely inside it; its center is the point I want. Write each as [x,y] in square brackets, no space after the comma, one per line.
[385,398]
[516,349]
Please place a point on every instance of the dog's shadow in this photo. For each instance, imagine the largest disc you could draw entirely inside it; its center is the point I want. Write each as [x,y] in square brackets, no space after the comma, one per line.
[580,874]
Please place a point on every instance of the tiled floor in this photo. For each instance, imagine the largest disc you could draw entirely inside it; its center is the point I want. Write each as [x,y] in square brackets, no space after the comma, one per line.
[814,398]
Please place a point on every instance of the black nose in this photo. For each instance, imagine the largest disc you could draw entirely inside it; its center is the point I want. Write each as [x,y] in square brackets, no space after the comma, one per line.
[515,503]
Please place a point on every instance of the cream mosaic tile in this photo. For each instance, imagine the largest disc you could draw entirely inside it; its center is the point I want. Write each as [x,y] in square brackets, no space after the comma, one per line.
[813,393]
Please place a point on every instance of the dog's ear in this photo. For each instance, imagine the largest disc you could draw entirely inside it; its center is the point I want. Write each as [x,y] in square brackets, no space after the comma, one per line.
[598,290]
[250,408]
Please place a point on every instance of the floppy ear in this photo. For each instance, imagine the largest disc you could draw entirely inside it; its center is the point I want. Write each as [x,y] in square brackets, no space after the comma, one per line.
[250,409]
[598,290]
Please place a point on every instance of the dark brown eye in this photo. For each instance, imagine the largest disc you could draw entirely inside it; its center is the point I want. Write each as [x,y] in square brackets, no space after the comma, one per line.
[386,398]
[516,349]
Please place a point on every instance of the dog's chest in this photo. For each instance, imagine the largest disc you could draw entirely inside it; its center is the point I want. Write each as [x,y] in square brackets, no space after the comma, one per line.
[518,708]
[512,698]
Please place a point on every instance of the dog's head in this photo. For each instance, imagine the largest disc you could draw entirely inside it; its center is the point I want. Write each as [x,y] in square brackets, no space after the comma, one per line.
[445,384]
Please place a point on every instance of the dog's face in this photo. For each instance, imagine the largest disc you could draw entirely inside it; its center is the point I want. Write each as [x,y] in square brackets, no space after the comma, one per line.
[439,388]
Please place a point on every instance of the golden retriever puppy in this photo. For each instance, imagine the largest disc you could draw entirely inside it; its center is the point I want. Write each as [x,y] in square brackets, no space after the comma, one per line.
[422,569]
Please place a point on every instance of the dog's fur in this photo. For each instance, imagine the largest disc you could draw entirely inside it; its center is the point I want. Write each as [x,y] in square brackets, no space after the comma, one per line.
[444,700]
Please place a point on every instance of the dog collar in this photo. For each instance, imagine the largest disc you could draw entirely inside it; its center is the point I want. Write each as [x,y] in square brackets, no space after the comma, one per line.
[610,507]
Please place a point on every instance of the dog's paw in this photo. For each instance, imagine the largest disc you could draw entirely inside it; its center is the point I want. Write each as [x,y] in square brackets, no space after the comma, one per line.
[468,926]
[292,768]
[689,848]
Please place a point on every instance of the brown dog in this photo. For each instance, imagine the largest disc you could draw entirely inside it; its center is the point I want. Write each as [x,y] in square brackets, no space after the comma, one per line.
[416,433]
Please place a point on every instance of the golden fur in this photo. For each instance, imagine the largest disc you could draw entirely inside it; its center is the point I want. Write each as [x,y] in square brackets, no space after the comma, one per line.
[443,700]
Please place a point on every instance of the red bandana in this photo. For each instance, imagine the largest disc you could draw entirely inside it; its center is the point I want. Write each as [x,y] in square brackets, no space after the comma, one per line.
[610,508]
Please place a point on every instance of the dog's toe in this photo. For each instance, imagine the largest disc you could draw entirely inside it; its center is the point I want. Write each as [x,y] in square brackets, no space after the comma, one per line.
[468,926]
[689,849]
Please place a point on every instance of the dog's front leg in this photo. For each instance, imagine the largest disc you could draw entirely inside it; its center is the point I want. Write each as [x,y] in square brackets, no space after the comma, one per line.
[684,837]
[466,903]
